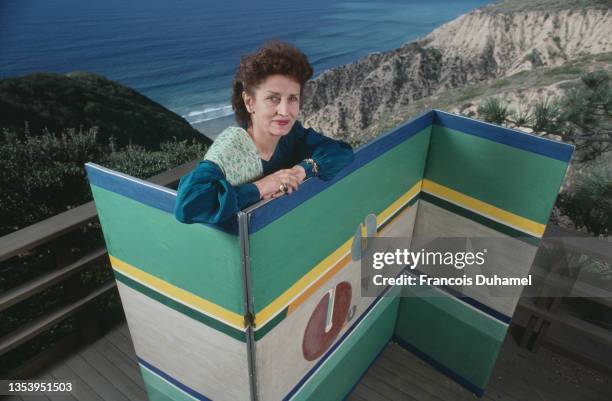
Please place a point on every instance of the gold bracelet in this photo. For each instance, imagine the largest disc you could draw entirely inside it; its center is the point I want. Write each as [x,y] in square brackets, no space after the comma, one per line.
[315,166]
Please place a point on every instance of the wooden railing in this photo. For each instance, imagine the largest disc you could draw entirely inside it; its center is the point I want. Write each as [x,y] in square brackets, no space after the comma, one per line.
[540,314]
[543,317]
[55,232]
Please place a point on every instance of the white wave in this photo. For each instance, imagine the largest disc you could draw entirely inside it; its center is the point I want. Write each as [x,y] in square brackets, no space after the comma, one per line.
[208,113]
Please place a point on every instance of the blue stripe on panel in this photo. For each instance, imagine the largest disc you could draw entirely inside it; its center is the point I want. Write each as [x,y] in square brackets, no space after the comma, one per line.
[139,190]
[173,381]
[441,368]
[145,192]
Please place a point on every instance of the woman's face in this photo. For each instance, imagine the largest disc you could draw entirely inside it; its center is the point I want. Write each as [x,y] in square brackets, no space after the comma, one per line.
[275,105]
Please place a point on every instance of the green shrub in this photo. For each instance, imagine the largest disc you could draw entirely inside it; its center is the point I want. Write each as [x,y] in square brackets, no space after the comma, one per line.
[42,175]
[576,106]
[522,117]
[136,161]
[589,202]
[586,117]
[534,58]
[596,79]
[493,110]
[546,115]
[599,90]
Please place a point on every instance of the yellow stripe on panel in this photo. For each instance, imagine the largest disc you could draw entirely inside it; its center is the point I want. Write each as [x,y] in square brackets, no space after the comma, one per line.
[485,209]
[304,287]
[279,303]
[310,290]
[178,294]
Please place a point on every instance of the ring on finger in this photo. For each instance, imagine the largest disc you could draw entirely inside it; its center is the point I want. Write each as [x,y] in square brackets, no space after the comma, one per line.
[283,187]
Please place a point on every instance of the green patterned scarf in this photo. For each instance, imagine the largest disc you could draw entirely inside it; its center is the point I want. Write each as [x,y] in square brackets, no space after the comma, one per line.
[235,153]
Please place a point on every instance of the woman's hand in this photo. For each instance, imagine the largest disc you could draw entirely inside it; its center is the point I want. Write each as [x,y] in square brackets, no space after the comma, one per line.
[299,172]
[270,186]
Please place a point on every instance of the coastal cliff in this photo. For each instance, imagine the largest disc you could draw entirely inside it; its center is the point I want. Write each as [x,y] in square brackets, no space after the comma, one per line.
[497,41]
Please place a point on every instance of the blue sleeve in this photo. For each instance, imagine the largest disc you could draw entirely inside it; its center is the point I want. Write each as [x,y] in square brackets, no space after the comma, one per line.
[330,155]
[205,196]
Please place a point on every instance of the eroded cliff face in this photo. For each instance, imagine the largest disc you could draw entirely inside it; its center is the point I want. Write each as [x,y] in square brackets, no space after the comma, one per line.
[347,101]
[520,41]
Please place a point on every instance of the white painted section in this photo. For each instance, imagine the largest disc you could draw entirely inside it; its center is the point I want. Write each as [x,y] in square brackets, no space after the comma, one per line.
[202,358]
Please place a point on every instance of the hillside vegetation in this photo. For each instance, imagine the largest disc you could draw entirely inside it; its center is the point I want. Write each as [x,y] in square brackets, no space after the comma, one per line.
[519,91]
[52,124]
[79,99]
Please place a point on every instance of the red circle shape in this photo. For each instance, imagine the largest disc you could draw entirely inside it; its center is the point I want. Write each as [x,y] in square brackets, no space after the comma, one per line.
[316,339]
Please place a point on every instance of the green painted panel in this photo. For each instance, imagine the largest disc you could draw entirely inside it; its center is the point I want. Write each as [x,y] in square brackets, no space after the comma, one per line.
[160,390]
[512,179]
[154,395]
[345,367]
[194,257]
[308,234]
[456,336]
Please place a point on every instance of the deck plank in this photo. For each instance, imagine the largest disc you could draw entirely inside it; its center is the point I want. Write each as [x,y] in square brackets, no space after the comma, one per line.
[125,330]
[403,383]
[124,344]
[41,397]
[368,394]
[32,397]
[427,376]
[122,382]
[80,390]
[382,387]
[126,365]
[67,396]
[355,397]
[107,370]
[433,384]
[94,379]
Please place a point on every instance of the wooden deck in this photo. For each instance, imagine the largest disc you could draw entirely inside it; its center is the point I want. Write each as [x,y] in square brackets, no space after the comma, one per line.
[107,371]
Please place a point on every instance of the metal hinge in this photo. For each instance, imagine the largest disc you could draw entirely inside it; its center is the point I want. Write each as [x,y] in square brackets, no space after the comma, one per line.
[249,320]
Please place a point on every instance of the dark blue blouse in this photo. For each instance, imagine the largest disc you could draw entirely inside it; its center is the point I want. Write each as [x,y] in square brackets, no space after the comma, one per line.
[205,196]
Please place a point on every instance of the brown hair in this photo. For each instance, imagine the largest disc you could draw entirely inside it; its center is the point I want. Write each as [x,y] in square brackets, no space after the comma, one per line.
[274,57]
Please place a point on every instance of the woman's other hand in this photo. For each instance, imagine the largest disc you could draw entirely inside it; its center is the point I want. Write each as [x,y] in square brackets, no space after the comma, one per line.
[299,172]
[270,186]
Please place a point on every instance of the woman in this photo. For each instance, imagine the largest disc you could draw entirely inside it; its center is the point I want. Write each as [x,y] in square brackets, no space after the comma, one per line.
[272,153]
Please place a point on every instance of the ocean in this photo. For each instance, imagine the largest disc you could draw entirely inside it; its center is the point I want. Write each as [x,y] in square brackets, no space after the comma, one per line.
[183,53]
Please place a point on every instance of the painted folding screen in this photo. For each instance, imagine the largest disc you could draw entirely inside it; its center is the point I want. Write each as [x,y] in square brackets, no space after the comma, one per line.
[312,335]
[181,288]
[481,181]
